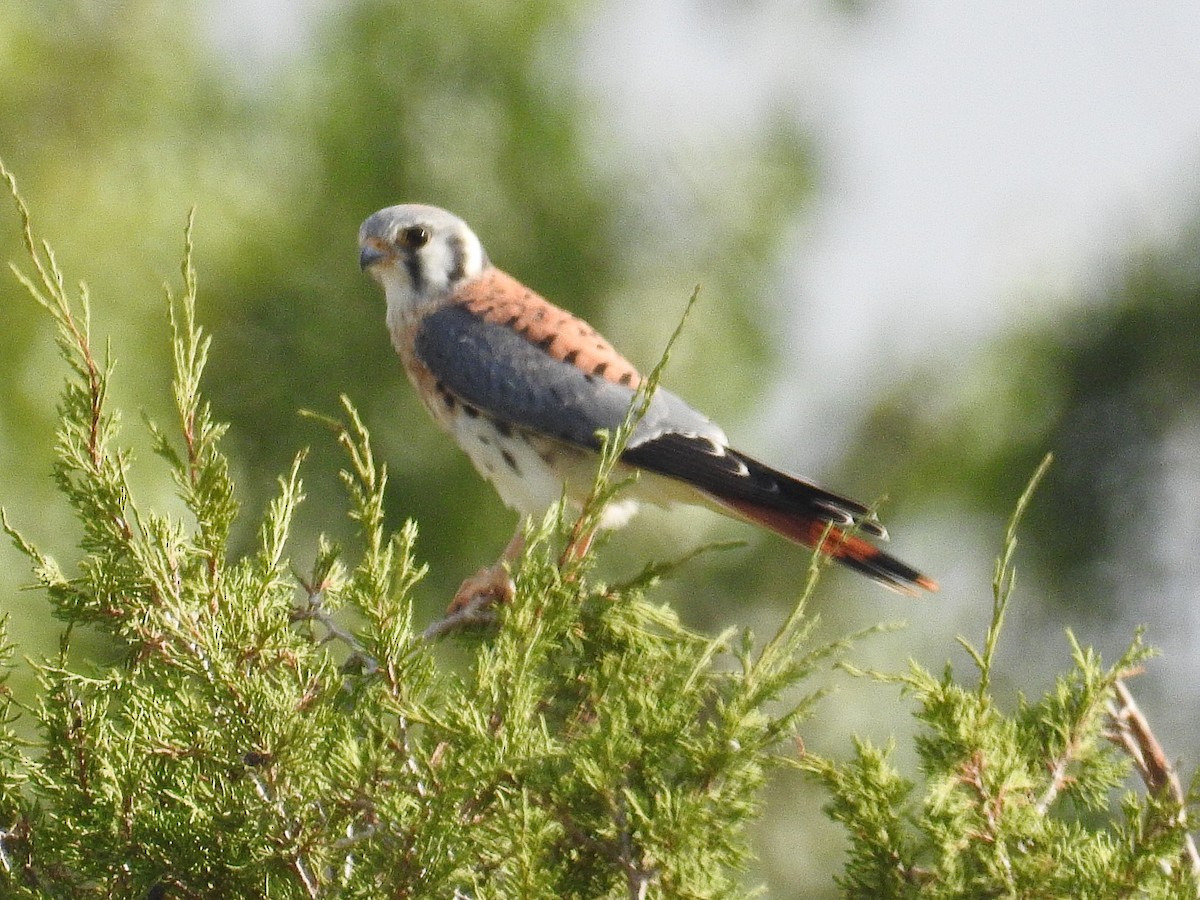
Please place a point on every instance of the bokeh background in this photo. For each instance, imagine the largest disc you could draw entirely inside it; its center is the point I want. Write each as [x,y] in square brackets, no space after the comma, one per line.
[935,241]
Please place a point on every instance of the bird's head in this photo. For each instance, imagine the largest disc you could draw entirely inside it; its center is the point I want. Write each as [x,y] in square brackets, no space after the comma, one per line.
[418,254]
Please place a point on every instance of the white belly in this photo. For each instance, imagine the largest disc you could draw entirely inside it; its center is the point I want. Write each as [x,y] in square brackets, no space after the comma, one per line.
[532,474]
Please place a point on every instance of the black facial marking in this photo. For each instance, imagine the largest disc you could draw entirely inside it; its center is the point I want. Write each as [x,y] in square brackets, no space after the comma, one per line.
[416,270]
[458,258]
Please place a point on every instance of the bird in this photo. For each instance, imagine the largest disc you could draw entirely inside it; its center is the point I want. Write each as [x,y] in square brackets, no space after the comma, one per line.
[526,388]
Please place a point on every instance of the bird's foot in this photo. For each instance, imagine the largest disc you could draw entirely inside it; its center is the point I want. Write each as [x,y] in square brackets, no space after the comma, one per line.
[475,601]
[490,585]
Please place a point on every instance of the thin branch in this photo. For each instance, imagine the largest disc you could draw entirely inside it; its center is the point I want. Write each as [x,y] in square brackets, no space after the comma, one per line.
[1058,778]
[1004,579]
[314,610]
[479,610]
[1132,733]
[637,879]
[991,807]
[268,795]
[612,448]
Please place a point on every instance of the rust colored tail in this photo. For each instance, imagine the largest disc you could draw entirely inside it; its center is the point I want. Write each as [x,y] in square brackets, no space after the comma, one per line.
[848,549]
[789,505]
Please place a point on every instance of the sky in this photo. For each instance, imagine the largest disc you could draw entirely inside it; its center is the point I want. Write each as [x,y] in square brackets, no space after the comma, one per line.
[973,154]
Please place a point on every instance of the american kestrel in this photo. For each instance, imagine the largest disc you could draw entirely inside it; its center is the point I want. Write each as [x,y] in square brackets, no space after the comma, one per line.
[524,387]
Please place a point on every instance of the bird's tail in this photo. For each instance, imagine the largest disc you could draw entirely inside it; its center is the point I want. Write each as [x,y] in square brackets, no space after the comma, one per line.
[838,543]
[790,506]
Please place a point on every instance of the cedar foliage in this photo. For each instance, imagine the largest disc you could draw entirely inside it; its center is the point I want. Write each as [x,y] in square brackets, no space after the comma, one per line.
[266,734]
[269,735]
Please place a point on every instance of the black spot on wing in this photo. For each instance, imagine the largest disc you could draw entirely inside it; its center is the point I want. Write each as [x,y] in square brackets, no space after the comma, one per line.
[494,370]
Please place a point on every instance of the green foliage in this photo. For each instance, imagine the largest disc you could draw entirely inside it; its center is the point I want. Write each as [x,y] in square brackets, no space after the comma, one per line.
[262,734]
[121,114]
[1013,805]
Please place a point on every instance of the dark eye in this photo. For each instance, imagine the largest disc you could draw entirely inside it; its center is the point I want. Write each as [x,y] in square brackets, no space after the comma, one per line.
[414,237]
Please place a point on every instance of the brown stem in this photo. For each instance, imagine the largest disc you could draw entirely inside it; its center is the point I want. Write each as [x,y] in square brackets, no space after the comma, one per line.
[1131,732]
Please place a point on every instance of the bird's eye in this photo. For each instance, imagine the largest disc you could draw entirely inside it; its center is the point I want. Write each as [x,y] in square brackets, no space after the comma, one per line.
[413,237]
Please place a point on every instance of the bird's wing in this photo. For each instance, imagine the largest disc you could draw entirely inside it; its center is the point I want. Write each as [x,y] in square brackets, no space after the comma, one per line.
[535,382]
[527,363]
[515,380]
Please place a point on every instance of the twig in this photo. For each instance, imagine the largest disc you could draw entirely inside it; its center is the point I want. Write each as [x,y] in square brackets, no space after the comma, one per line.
[314,611]
[1058,773]
[268,795]
[991,806]
[5,859]
[1131,732]
[1004,579]
[479,610]
[637,878]
[1058,779]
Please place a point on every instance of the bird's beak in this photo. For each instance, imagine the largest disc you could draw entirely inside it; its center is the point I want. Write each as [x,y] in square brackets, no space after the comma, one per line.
[368,256]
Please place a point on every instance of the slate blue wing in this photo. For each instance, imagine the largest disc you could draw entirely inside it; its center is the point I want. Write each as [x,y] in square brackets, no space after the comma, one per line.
[495,369]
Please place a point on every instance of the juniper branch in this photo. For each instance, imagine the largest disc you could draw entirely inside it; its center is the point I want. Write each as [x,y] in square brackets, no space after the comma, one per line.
[612,446]
[1130,730]
[1003,581]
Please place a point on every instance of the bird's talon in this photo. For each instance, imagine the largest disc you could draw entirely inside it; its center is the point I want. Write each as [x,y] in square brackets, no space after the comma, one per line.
[492,582]
[477,611]
[475,601]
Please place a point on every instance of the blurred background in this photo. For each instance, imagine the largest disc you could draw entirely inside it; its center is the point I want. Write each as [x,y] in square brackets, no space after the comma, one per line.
[935,241]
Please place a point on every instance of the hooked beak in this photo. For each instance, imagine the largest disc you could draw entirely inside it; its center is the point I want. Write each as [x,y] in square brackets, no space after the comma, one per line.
[369,255]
